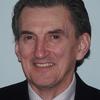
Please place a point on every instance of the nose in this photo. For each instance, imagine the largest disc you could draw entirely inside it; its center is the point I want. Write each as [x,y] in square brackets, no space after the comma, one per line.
[41,50]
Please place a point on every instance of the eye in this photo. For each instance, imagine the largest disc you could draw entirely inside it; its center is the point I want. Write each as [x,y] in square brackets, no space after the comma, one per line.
[55,36]
[28,37]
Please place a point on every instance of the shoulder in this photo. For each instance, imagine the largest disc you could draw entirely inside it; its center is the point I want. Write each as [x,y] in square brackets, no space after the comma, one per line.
[13,91]
[85,91]
[14,87]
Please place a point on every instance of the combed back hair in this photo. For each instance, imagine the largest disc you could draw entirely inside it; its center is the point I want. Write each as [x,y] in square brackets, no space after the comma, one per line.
[76,8]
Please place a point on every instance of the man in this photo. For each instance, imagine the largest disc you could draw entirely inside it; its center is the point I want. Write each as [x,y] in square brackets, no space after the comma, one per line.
[52,38]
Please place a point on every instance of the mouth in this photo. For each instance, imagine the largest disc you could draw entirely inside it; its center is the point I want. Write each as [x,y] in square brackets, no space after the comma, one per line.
[43,65]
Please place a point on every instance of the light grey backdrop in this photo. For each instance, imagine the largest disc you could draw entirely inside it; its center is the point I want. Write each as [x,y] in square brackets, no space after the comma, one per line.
[10,69]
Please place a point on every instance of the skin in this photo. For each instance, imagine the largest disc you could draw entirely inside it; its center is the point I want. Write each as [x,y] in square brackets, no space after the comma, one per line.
[48,49]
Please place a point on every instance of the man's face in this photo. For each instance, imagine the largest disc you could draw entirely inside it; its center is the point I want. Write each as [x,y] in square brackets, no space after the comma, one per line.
[47,48]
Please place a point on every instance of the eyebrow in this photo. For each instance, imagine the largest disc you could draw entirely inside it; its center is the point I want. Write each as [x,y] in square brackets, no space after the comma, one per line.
[26,32]
[56,31]
[59,31]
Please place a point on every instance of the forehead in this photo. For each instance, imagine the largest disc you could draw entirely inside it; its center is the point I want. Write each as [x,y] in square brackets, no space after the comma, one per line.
[52,17]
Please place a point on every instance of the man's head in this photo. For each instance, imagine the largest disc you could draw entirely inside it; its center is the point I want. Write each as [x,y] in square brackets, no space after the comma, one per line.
[51,35]
[77,10]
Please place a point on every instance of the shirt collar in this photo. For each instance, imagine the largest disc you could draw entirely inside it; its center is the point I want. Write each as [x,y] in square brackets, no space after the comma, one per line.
[68,94]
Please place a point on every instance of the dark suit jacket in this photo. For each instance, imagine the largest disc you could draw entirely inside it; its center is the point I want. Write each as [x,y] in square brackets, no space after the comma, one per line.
[19,91]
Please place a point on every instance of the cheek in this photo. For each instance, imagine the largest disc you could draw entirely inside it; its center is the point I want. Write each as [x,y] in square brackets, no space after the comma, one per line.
[26,56]
[65,55]
[26,52]
[60,52]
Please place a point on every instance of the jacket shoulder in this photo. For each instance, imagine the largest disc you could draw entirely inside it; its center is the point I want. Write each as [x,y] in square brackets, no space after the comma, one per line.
[14,92]
[86,92]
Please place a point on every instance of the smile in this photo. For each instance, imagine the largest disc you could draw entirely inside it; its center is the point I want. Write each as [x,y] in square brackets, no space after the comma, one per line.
[43,65]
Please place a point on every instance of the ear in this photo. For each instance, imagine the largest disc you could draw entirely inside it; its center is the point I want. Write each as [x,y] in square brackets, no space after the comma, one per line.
[17,51]
[84,45]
